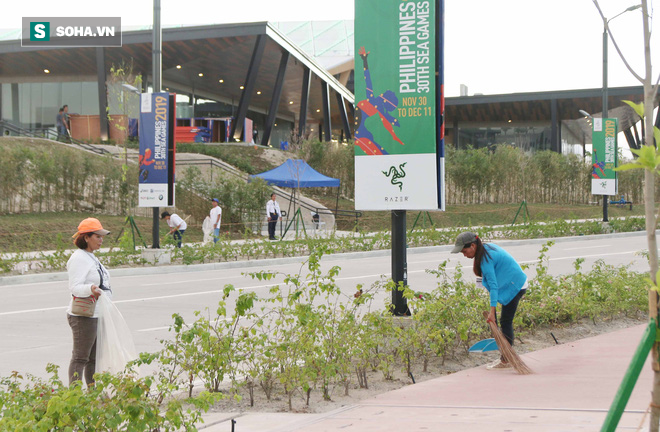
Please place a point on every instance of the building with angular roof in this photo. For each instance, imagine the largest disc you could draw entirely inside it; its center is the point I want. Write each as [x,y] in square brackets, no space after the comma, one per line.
[230,70]
[293,79]
[540,120]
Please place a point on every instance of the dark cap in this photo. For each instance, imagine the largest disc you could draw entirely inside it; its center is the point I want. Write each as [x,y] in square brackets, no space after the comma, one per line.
[464,239]
[164,214]
[216,200]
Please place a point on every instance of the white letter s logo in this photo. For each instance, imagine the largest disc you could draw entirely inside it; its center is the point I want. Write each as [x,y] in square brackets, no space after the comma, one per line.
[39,31]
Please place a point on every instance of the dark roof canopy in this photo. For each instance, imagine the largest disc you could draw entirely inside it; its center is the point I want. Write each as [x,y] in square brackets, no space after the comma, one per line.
[537,106]
[218,52]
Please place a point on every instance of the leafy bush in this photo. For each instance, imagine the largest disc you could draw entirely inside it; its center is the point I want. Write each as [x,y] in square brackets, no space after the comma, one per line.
[242,157]
[116,402]
[307,335]
[243,204]
[41,177]
[499,174]
[333,160]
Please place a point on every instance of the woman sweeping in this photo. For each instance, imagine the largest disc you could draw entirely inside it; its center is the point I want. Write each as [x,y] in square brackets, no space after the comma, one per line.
[501,276]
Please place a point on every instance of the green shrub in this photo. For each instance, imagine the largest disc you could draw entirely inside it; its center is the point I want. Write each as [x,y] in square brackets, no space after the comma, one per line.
[116,402]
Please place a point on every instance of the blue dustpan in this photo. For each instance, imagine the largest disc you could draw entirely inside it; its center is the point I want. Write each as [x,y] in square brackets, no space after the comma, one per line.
[484,346]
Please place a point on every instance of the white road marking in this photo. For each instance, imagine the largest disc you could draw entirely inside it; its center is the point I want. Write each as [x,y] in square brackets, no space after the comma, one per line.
[191,280]
[588,247]
[33,310]
[154,329]
[600,255]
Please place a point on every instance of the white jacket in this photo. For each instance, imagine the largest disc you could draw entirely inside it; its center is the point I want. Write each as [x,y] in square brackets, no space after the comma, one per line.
[83,269]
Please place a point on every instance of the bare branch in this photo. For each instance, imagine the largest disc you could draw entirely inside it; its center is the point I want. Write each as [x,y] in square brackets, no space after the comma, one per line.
[616,46]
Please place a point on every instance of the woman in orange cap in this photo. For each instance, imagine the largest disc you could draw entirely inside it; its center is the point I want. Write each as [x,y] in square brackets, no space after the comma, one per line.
[88,278]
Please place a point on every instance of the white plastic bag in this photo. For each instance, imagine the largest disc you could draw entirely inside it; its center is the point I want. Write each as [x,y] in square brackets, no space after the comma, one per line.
[207,229]
[114,342]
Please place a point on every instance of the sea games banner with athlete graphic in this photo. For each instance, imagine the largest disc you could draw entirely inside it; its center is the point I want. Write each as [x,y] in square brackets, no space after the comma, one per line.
[156,159]
[604,156]
[399,105]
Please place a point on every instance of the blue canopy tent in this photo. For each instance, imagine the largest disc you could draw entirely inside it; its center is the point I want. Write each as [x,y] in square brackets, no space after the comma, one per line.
[296,173]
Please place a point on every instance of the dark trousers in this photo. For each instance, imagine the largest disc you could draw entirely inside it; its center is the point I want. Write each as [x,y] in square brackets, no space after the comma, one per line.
[177,236]
[271,225]
[83,356]
[507,314]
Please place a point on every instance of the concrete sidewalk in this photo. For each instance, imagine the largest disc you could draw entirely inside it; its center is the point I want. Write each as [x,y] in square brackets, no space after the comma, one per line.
[572,388]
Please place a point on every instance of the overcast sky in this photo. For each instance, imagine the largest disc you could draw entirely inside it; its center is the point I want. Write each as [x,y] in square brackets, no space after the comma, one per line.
[493,47]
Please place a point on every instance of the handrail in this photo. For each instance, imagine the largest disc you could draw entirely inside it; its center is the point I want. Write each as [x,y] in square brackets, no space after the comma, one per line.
[290,197]
[47,133]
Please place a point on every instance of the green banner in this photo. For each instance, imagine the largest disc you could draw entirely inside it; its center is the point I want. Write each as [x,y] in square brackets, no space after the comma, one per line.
[395,77]
[398,105]
[604,156]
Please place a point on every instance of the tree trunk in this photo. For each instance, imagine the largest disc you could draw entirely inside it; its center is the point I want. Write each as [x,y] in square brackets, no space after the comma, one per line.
[649,207]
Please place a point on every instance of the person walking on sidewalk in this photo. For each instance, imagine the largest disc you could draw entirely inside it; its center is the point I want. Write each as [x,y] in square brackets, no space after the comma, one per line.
[87,278]
[273,212]
[501,275]
[177,226]
[216,217]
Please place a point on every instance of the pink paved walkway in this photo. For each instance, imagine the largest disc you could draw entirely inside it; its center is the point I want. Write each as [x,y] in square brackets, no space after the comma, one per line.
[571,390]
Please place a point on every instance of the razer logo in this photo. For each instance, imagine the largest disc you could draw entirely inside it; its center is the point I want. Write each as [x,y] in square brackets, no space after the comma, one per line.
[396,175]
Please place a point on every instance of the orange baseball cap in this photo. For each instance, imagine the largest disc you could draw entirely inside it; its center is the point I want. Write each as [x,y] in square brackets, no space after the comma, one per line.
[91,225]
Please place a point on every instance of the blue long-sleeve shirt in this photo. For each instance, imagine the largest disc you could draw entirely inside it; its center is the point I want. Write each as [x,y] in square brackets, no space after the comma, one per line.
[502,275]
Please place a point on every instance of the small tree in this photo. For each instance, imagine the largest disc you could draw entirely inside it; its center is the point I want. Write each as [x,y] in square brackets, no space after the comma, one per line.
[649,160]
[122,102]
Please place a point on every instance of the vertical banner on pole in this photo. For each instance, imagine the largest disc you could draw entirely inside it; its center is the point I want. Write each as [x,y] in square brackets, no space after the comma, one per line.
[604,157]
[156,159]
[247,131]
[171,150]
[399,143]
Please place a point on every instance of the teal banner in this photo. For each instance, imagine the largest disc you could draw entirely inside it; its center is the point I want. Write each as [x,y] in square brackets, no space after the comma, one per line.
[604,156]
[395,77]
[399,153]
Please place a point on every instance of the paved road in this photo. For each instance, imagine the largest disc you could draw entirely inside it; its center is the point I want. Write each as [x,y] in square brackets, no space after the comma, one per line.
[34,331]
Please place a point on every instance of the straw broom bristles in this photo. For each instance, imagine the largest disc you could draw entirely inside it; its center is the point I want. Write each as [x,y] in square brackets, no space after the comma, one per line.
[507,350]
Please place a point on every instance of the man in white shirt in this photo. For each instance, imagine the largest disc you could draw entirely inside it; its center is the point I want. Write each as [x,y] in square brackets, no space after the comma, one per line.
[273,212]
[177,225]
[216,217]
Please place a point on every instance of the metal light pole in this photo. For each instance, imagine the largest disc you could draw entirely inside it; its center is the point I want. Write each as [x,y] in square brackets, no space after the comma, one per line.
[156,68]
[399,262]
[605,197]
[605,93]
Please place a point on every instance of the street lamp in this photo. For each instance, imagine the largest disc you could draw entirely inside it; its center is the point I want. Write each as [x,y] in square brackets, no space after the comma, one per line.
[605,35]
[130,88]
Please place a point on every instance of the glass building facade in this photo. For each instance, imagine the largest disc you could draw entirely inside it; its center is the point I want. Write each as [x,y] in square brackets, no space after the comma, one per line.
[536,137]
[35,105]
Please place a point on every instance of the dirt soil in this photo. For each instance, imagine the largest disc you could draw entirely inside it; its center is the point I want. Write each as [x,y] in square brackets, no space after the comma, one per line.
[542,338]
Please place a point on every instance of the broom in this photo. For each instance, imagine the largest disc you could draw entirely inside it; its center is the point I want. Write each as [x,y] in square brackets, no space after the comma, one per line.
[507,351]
